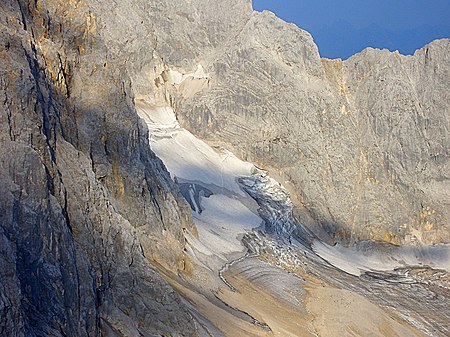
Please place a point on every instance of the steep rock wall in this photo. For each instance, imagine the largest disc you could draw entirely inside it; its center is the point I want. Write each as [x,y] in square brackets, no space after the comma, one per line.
[363,142]
[86,207]
[87,210]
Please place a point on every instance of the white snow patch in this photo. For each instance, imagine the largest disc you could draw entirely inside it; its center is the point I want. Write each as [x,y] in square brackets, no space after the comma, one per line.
[158,116]
[188,157]
[175,77]
[224,218]
[357,260]
[222,222]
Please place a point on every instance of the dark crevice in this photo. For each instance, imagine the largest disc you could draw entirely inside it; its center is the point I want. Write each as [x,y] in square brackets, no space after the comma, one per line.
[78,295]
[11,135]
[8,111]
[34,68]
[64,73]
[91,157]
[50,182]
[24,21]
[65,212]
[249,317]
[157,206]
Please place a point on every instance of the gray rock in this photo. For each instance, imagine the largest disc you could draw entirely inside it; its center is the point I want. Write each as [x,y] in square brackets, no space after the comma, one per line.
[364,142]
[87,210]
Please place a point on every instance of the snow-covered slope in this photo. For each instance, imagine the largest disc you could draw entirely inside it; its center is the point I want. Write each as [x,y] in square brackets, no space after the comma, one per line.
[223,212]
[367,256]
[239,209]
[222,190]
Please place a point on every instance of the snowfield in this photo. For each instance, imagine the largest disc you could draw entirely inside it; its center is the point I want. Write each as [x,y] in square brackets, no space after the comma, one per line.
[222,190]
[378,257]
[223,212]
[283,269]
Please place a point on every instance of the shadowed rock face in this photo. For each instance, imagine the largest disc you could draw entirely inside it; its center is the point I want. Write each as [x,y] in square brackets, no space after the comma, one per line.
[85,205]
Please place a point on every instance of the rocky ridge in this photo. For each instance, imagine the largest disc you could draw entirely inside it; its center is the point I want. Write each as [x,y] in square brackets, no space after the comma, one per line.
[364,142]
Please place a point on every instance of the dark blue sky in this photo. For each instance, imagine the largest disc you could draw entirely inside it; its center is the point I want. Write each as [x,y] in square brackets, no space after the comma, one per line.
[342,28]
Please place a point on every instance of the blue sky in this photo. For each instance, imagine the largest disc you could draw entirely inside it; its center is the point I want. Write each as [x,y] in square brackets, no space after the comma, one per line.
[342,28]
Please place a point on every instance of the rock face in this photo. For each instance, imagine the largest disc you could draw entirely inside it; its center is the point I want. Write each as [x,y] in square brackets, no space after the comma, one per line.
[364,142]
[86,208]
[87,211]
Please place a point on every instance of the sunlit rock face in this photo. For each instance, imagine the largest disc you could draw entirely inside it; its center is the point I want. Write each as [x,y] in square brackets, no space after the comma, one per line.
[363,142]
[90,217]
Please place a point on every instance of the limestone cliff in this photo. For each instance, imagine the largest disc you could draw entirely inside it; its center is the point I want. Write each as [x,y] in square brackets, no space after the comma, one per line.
[86,208]
[363,142]
[88,213]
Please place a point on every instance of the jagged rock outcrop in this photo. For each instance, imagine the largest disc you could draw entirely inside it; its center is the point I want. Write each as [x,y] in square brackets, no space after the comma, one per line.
[364,142]
[86,209]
